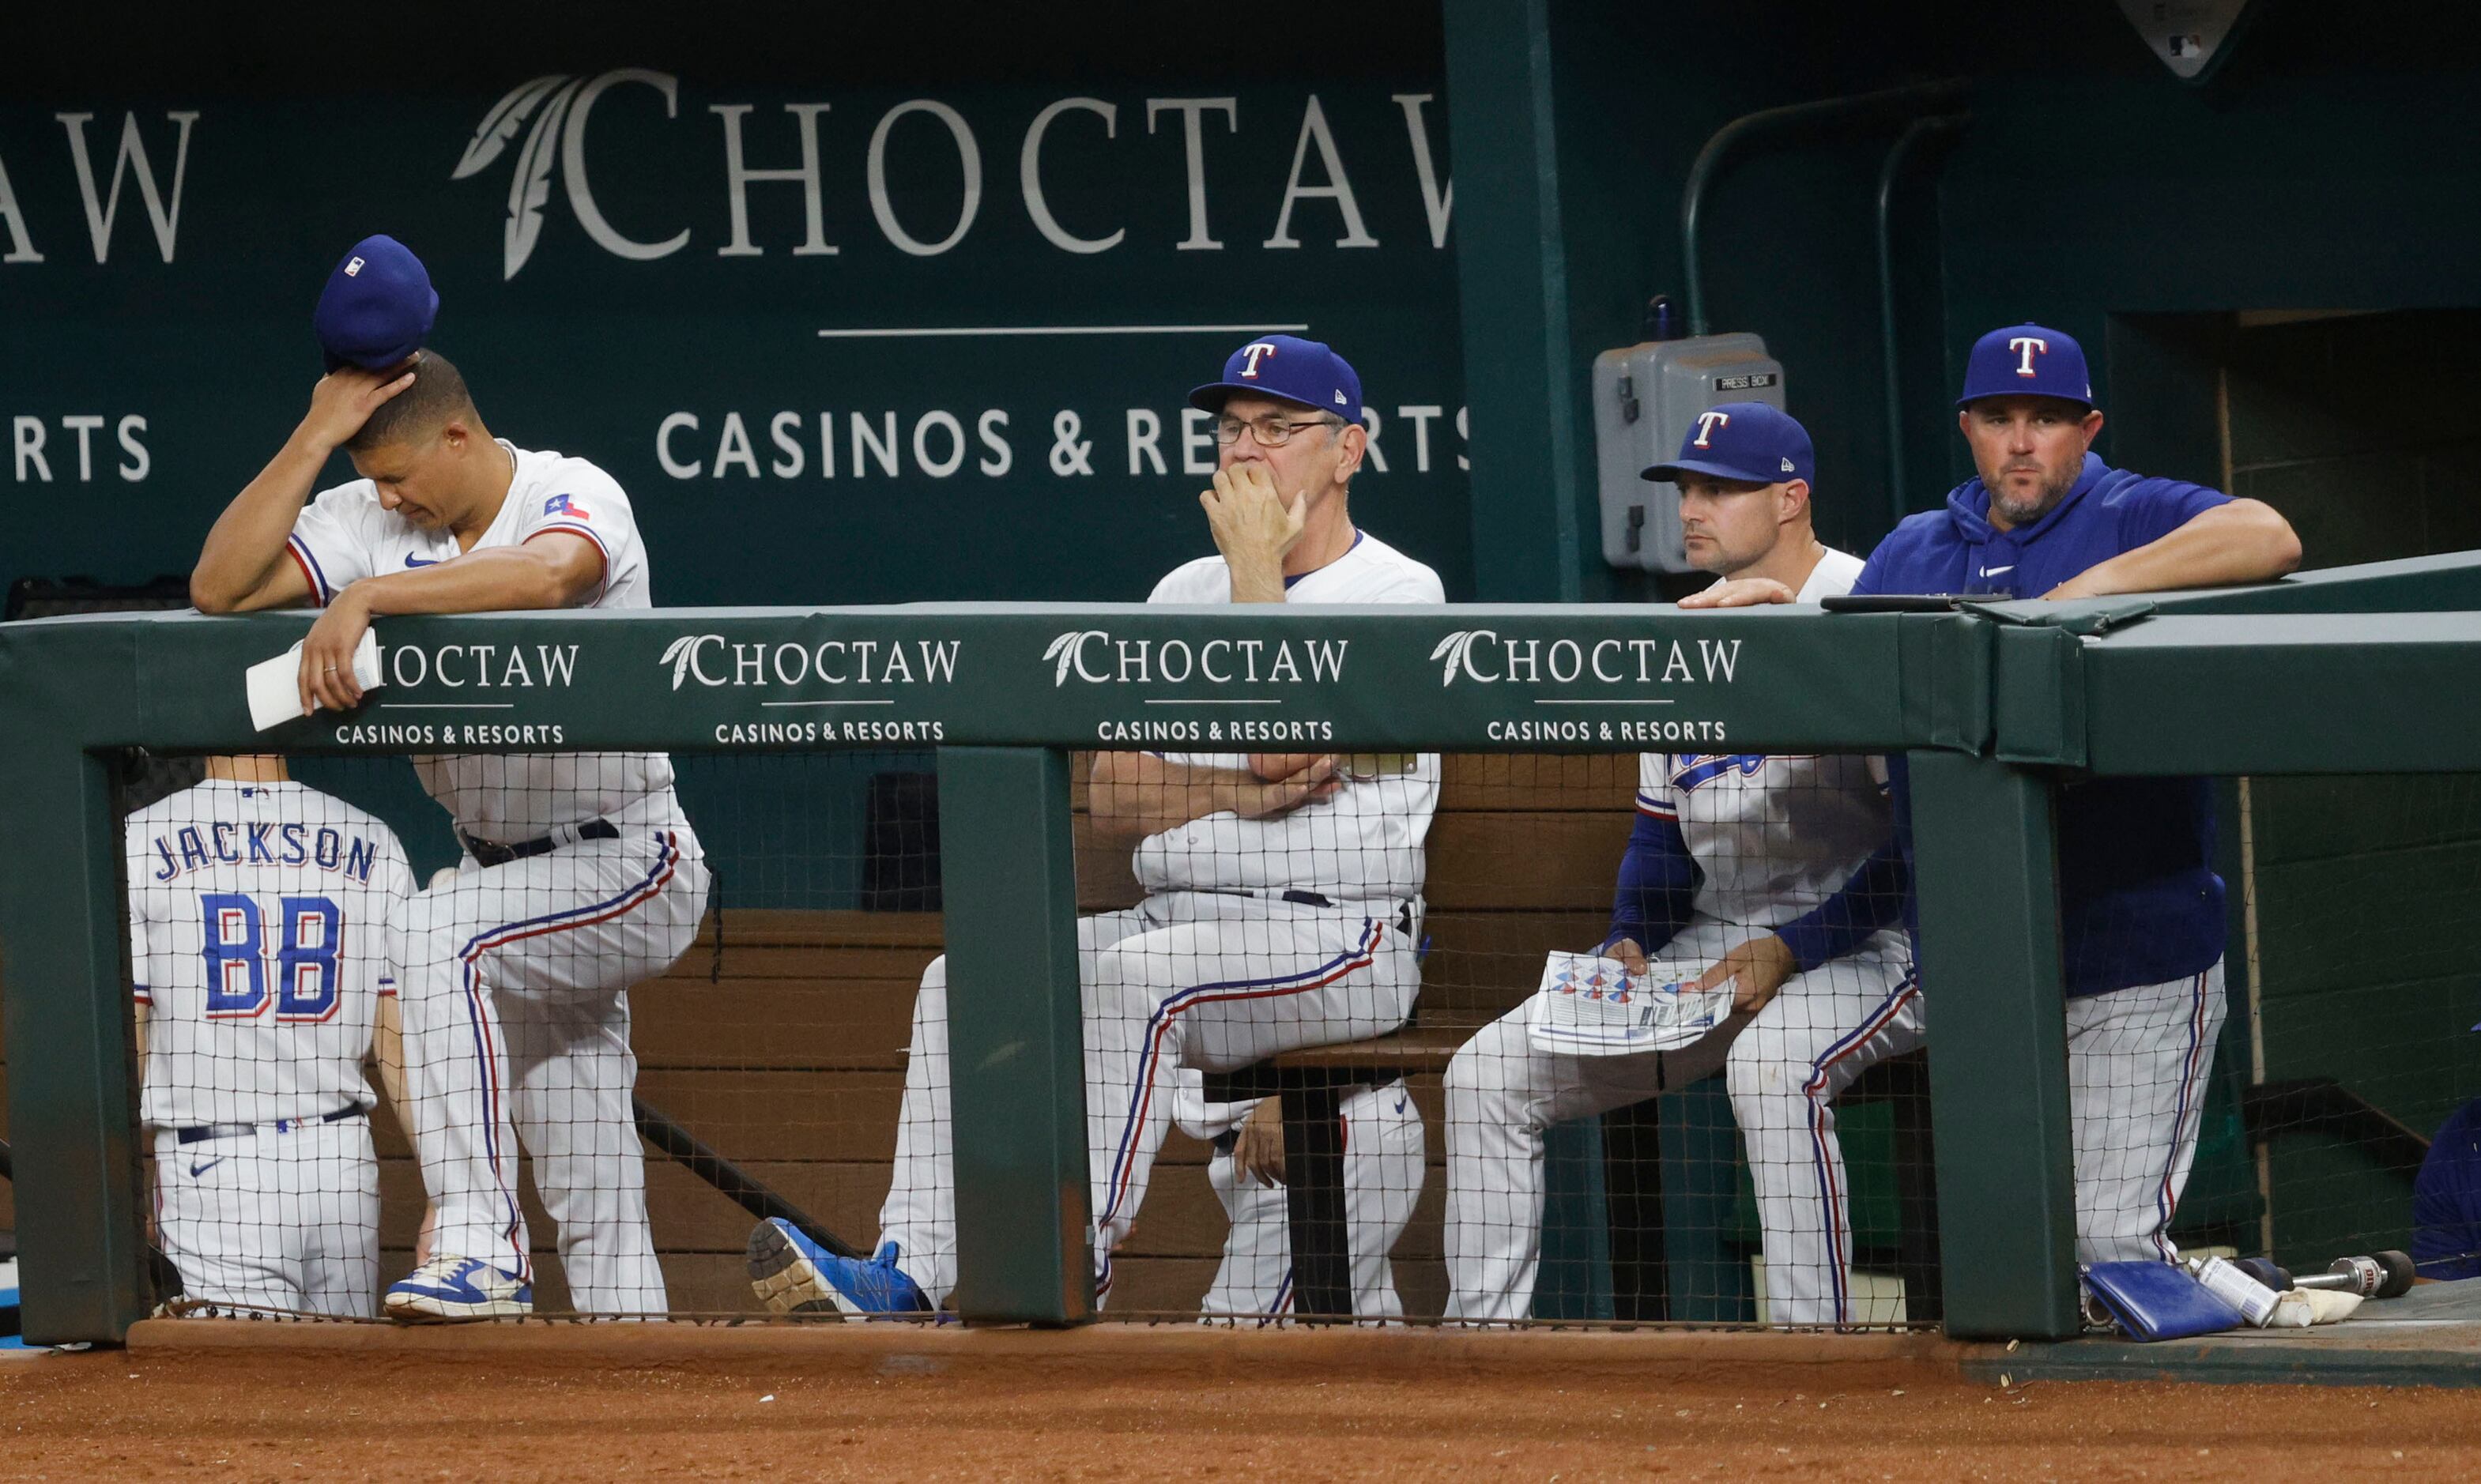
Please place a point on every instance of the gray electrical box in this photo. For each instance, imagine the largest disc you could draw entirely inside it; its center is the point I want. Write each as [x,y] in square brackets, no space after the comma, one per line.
[1645,398]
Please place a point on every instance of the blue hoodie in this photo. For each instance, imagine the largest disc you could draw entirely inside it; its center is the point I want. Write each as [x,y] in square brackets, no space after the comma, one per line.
[2139,902]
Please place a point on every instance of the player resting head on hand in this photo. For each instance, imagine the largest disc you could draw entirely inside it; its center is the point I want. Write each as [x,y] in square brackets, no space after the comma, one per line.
[410,535]
[428,453]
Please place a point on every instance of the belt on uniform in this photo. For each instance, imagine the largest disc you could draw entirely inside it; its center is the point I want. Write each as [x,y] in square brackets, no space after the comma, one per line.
[1403,905]
[228,1130]
[489,853]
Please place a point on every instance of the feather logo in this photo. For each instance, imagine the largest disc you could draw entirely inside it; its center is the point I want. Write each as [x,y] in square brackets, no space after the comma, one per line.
[1065,649]
[1454,648]
[531,186]
[554,106]
[501,124]
[681,653]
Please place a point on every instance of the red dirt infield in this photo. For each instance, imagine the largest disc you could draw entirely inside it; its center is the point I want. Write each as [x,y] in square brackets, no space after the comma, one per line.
[252,1400]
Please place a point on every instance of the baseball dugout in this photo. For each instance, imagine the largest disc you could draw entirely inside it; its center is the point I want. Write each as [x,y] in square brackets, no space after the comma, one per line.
[772,1033]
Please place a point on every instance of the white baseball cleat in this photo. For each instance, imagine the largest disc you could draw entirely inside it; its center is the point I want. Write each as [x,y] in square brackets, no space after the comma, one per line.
[453,1291]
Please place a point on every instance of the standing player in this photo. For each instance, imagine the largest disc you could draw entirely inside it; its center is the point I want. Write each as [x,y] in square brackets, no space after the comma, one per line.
[2140,907]
[1282,889]
[583,876]
[1764,870]
[258,916]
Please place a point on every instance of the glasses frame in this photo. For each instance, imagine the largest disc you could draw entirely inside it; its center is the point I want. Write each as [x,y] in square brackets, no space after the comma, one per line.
[1258,428]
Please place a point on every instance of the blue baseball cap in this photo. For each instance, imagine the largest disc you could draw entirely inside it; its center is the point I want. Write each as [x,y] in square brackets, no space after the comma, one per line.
[2026,360]
[1742,440]
[1287,366]
[378,307]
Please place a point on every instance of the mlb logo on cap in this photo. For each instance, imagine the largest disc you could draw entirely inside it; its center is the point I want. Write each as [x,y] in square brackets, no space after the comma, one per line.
[1287,366]
[2026,360]
[1748,441]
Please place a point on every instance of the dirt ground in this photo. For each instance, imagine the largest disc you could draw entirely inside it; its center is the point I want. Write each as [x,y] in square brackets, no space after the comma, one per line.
[296,1402]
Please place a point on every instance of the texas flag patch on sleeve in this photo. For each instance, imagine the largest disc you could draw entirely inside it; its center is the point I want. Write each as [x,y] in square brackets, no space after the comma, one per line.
[565,505]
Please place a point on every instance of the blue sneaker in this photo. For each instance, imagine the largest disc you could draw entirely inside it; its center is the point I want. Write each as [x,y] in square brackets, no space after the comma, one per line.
[793,1274]
[452,1290]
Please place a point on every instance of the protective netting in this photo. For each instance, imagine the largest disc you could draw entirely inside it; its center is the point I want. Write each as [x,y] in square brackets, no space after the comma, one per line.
[624,1042]
[2339,1116]
[1303,974]
[1307,971]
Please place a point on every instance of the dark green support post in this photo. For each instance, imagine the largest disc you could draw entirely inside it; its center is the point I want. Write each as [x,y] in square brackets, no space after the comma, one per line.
[1532,459]
[1024,1253]
[1987,871]
[72,1118]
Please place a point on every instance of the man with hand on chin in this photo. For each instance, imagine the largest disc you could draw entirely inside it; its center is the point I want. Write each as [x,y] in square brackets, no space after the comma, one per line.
[1282,889]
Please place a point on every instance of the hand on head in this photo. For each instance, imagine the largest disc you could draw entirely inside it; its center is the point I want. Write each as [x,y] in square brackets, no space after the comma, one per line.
[345,399]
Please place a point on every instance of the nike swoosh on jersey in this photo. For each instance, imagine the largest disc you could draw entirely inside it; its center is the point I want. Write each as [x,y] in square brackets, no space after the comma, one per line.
[1401,1102]
[1985,571]
[197,1170]
[416,561]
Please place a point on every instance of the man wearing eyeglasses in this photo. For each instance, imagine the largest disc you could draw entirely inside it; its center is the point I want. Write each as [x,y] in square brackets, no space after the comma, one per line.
[1283,895]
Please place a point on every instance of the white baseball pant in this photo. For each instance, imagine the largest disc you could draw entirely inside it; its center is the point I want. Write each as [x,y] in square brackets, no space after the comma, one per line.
[2137,1065]
[1210,980]
[511,980]
[1383,1153]
[285,1216]
[1784,1067]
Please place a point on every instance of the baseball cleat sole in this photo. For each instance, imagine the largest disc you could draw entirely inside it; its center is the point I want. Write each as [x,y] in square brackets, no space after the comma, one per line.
[788,1283]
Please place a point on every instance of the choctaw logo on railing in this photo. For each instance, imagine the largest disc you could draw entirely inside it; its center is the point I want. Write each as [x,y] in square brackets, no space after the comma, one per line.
[1483,656]
[1095,656]
[712,659]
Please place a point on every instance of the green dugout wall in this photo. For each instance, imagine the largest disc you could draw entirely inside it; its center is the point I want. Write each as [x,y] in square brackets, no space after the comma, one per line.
[1995,705]
[860,304]
[643,279]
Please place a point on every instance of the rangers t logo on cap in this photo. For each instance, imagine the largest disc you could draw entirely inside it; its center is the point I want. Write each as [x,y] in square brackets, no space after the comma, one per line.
[1289,368]
[1751,442]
